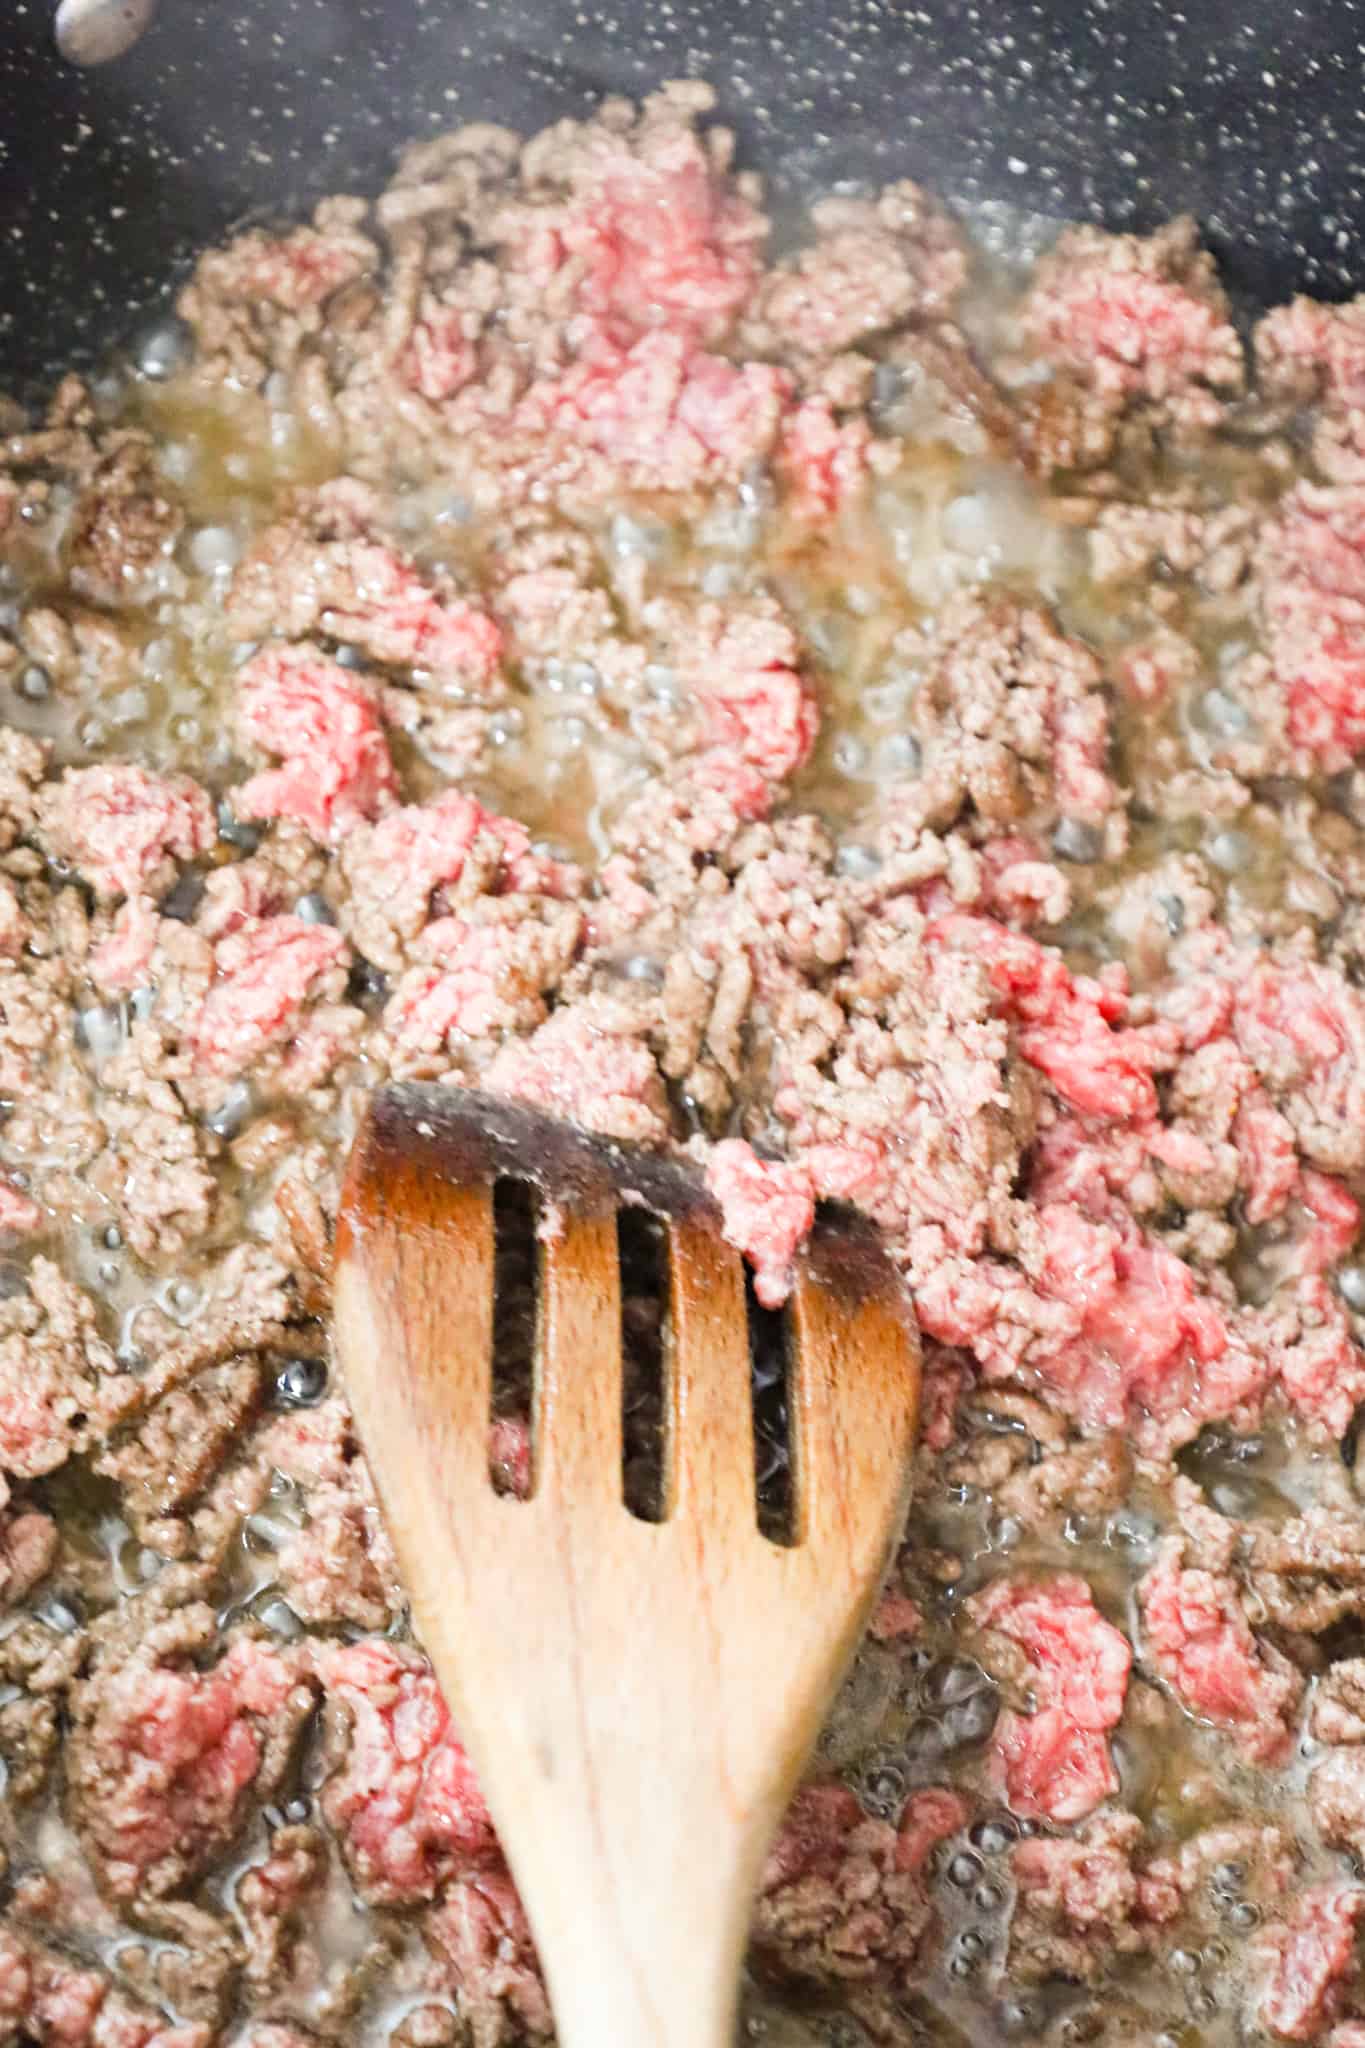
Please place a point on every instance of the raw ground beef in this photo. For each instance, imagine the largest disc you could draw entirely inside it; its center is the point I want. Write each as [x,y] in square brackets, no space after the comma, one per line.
[1055,1761]
[879,727]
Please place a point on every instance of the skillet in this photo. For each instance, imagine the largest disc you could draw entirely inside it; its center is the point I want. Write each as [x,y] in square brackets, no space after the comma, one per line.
[1246,113]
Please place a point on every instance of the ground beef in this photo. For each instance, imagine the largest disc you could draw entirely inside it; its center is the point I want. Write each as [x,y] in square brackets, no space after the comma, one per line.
[1080,1898]
[123,527]
[590,1065]
[404,1797]
[1307,353]
[1138,319]
[264,975]
[1339,1703]
[1312,589]
[339,1568]
[768,1209]
[1214,547]
[47,1998]
[1196,1633]
[324,723]
[546,635]
[1314,1958]
[57,1376]
[1012,720]
[874,264]
[321,571]
[163,1755]
[123,829]
[484,1953]
[843,1897]
[424,860]
[1055,1761]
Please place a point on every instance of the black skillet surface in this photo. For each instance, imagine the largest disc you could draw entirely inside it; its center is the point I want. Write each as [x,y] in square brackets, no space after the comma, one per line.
[1249,113]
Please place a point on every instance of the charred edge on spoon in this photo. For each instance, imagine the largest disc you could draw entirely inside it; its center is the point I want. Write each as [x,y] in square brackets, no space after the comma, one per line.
[415,1135]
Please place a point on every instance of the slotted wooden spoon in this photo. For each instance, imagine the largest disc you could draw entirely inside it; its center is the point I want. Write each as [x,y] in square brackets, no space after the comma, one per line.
[638,1698]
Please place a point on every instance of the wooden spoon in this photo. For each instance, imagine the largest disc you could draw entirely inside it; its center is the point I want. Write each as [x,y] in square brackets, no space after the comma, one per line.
[638,1698]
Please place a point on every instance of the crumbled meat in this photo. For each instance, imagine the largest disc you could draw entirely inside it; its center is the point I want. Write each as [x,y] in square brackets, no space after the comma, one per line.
[1197,1635]
[1314,1958]
[123,828]
[565,645]
[339,1568]
[404,1797]
[163,1755]
[273,1897]
[451,847]
[489,975]
[263,978]
[843,1897]
[589,1064]
[47,1998]
[768,1211]
[1312,592]
[1080,1897]
[1055,1761]
[482,1943]
[324,723]
[1138,318]
[1339,1703]
[1013,721]
[123,527]
[56,1374]
[321,571]
[874,264]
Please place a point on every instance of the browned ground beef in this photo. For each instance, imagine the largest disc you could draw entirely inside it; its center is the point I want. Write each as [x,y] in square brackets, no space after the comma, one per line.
[880,719]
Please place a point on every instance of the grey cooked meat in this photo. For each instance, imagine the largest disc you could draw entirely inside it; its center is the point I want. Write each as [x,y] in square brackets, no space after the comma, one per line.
[879,727]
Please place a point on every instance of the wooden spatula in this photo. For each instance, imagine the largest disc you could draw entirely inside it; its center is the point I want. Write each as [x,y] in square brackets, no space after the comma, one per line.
[638,1698]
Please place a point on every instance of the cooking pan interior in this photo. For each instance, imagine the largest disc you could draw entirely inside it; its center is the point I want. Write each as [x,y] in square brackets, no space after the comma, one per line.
[1244,112]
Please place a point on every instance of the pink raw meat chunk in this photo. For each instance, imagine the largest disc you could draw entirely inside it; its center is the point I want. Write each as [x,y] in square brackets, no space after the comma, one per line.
[1303,1030]
[1315,1959]
[671,417]
[61,2005]
[324,723]
[667,246]
[479,1932]
[1199,1641]
[405,1799]
[762,714]
[1068,1025]
[1135,318]
[397,867]
[587,1065]
[118,823]
[397,618]
[188,1745]
[439,357]
[296,271]
[1319,349]
[1268,1161]
[1335,1223]
[929,1817]
[1143,1334]
[1313,605]
[18,1212]
[768,1209]
[1323,1371]
[824,463]
[460,1000]
[264,976]
[1055,1761]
